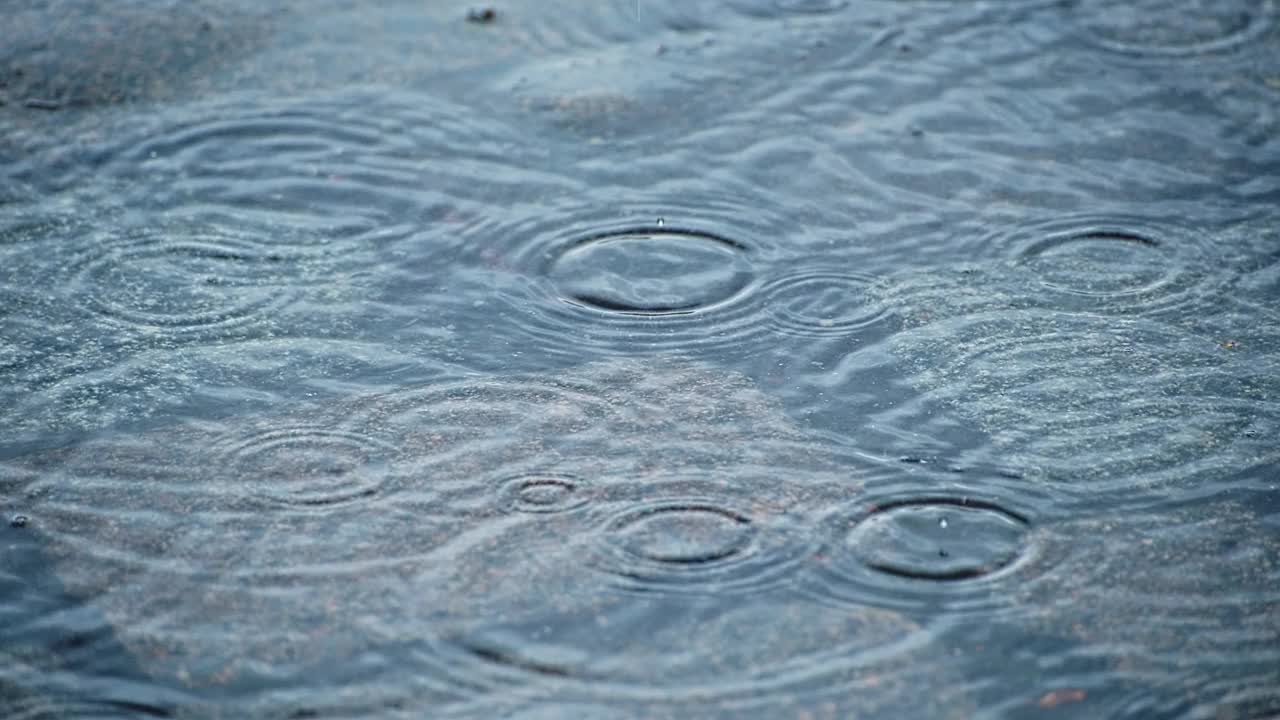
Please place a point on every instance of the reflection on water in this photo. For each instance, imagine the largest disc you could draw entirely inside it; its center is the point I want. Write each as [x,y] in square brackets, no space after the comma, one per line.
[756,358]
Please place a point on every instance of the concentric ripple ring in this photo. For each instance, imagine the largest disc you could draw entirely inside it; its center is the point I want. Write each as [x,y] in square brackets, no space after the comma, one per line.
[1164,30]
[310,467]
[653,271]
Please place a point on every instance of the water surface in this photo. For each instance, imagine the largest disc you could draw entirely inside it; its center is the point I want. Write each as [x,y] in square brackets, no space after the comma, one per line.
[742,358]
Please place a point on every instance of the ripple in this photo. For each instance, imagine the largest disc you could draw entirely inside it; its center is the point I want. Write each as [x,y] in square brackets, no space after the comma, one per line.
[651,271]
[697,544]
[909,550]
[341,163]
[750,653]
[546,493]
[674,81]
[1182,598]
[186,282]
[25,230]
[683,532]
[1092,403]
[780,9]
[79,387]
[630,300]
[811,6]
[1105,264]
[822,302]
[1154,28]
[939,539]
[411,527]
[308,466]
[1123,263]
[573,281]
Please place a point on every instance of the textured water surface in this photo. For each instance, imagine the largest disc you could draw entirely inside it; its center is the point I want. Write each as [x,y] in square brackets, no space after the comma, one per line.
[729,358]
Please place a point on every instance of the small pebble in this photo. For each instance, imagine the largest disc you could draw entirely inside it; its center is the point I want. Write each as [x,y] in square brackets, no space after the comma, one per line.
[482,16]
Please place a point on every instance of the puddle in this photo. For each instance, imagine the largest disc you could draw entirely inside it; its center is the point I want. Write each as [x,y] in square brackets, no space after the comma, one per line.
[747,359]
[637,487]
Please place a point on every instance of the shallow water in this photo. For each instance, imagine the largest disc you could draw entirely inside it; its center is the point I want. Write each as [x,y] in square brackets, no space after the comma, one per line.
[740,358]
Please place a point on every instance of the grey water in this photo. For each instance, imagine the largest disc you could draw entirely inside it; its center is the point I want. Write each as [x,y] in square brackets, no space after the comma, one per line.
[681,359]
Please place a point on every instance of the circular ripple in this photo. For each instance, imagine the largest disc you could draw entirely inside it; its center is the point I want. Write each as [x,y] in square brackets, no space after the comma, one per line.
[679,533]
[663,651]
[1159,28]
[1128,403]
[309,466]
[782,8]
[1120,263]
[811,6]
[545,493]
[690,598]
[198,282]
[940,539]
[651,272]
[574,287]
[171,549]
[1097,263]
[821,303]
[338,163]
[921,551]
[696,545]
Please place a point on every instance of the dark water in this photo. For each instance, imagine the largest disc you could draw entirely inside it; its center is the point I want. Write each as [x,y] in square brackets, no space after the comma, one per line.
[746,358]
